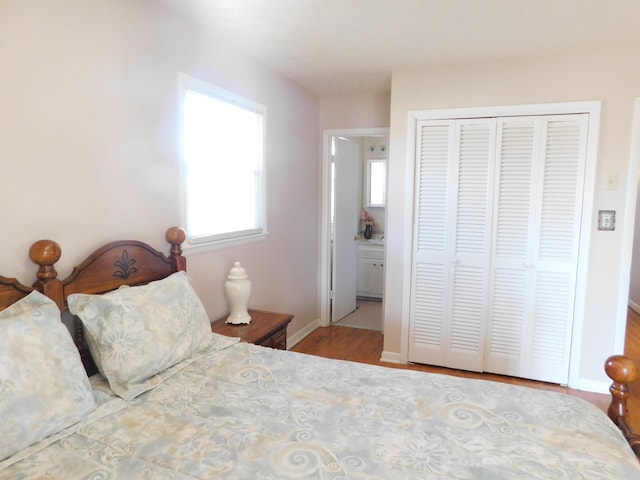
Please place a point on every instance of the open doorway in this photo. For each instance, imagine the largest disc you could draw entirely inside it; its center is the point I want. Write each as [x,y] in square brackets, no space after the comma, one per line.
[341,226]
[631,252]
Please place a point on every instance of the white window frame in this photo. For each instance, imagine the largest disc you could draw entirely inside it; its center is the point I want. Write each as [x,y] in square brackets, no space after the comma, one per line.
[188,83]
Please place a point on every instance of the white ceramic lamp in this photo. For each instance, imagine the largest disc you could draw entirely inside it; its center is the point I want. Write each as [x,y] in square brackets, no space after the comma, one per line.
[237,289]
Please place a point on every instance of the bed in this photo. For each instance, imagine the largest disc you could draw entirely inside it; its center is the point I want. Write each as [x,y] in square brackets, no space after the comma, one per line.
[173,400]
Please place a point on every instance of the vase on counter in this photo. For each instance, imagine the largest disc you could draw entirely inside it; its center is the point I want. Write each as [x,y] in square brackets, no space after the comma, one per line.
[368,231]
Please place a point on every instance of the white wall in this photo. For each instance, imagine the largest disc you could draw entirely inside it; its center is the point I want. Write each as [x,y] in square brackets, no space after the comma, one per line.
[89,144]
[365,110]
[612,77]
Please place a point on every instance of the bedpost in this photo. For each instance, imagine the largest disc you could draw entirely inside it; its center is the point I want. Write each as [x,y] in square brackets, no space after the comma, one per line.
[623,371]
[176,236]
[46,253]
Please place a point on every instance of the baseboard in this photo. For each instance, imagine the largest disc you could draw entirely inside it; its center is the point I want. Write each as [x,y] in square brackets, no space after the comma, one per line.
[302,333]
[592,386]
[634,306]
[391,357]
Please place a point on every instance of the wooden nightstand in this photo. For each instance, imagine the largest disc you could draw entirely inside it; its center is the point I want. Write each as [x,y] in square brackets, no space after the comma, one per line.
[268,329]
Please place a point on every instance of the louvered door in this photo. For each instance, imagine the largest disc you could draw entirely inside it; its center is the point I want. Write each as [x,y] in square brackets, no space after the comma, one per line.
[452,248]
[540,177]
[495,254]
[513,229]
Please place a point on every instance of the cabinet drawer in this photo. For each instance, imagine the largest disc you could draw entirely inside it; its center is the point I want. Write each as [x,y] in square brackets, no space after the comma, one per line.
[278,340]
[371,251]
[268,329]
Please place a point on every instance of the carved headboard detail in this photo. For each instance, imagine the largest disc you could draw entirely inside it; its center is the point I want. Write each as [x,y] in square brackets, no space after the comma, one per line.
[123,262]
[11,290]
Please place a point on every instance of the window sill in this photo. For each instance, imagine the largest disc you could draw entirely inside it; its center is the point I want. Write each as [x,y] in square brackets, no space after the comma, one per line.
[193,248]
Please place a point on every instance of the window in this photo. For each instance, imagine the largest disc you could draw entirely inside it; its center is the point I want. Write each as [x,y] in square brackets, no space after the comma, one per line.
[223,160]
[376,183]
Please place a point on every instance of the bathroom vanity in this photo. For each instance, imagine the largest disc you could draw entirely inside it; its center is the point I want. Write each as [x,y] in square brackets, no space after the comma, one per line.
[370,270]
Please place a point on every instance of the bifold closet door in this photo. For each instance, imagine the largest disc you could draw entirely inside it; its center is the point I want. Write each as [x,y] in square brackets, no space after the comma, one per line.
[450,277]
[536,228]
[495,245]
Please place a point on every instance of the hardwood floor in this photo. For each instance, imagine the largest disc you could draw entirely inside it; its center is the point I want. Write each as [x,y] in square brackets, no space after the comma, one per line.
[365,346]
[632,349]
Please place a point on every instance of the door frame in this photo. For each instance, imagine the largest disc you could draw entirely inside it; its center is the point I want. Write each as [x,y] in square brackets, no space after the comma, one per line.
[629,220]
[325,213]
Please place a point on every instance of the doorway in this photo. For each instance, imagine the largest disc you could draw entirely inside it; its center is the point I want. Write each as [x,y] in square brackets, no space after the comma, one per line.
[631,252]
[330,275]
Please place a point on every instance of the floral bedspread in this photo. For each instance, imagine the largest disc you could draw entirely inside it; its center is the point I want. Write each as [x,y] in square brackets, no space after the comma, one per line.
[249,412]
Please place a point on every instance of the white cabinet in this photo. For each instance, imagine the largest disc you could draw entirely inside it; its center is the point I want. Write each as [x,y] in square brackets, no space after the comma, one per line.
[370,271]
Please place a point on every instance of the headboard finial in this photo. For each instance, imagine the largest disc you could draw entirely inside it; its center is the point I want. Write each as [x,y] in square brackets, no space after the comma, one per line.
[45,253]
[176,236]
[623,371]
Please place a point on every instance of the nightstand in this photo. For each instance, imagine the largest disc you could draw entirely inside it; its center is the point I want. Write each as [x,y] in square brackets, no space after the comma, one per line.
[268,329]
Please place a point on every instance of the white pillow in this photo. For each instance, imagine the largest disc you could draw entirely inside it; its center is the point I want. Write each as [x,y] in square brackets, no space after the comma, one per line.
[43,385]
[135,333]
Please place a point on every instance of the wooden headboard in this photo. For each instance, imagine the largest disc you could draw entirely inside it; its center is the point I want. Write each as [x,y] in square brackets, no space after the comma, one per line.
[123,262]
[11,290]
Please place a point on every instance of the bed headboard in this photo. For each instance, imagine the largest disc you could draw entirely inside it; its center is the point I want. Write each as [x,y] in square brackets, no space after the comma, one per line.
[11,290]
[123,262]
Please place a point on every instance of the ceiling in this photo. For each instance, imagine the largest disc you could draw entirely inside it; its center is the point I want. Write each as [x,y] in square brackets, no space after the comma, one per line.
[345,46]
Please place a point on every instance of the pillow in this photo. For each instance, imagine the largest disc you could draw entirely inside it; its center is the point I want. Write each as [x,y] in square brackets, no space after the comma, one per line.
[43,385]
[134,333]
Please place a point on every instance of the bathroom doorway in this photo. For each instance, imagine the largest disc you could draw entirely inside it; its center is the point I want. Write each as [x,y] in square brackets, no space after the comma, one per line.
[372,142]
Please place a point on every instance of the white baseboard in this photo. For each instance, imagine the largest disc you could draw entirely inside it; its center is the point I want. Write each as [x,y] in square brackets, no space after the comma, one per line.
[302,333]
[391,357]
[593,386]
[634,306]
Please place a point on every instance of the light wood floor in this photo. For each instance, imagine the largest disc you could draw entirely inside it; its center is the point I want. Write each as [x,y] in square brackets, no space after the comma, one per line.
[632,349]
[365,346]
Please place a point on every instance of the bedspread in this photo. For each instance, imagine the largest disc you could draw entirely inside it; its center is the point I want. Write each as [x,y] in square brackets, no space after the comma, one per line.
[250,412]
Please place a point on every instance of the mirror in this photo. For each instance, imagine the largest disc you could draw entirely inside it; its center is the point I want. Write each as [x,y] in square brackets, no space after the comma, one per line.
[375,195]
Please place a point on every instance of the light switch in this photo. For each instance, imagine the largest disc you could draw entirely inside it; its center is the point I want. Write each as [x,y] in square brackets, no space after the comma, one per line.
[610,181]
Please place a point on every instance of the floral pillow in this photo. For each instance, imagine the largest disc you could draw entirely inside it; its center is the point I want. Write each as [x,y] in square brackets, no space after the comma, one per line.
[135,333]
[43,385]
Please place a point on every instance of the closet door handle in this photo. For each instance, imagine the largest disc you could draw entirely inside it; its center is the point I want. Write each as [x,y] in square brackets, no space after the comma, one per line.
[527,265]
